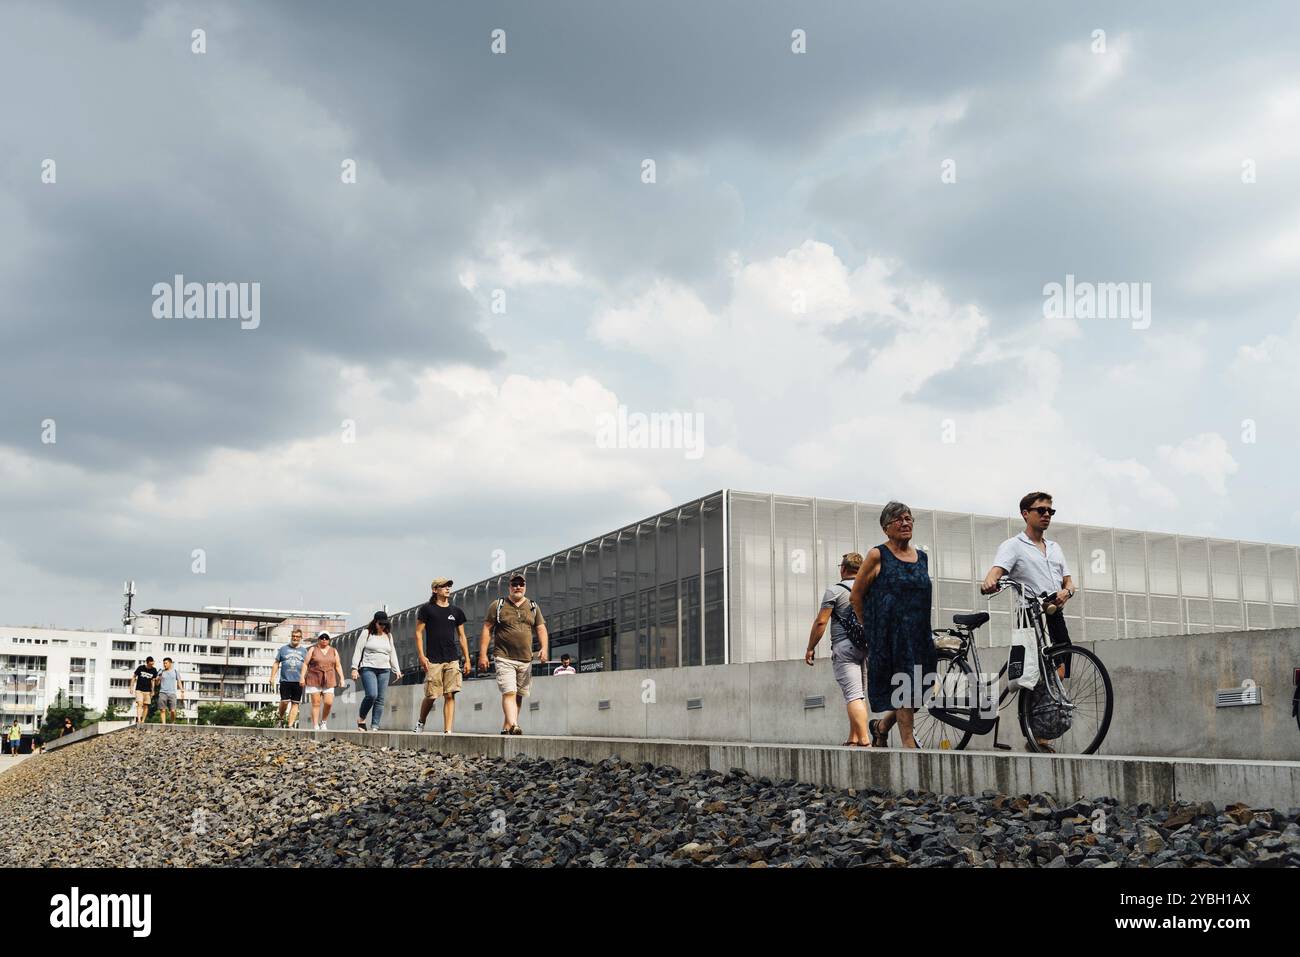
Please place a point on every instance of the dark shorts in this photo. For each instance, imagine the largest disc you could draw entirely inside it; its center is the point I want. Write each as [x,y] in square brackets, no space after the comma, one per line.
[1058,634]
[291,691]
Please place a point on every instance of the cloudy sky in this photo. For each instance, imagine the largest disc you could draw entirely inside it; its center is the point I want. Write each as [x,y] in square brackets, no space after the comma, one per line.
[838,268]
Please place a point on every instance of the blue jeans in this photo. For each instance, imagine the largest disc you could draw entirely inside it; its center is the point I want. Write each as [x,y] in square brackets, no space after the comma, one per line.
[375,683]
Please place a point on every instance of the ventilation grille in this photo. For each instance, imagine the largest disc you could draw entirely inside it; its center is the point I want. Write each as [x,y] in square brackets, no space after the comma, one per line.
[1236,697]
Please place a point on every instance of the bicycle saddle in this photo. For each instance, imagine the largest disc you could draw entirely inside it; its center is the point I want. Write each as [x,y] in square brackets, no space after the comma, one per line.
[971,621]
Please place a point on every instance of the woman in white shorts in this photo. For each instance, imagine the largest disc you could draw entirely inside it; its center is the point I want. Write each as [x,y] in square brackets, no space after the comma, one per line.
[322,672]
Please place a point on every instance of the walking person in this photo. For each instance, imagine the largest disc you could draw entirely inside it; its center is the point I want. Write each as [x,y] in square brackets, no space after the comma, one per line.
[439,626]
[373,659]
[848,661]
[1039,564]
[144,682]
[15,737]
[566,666]
[170,688]
[891,597]
[323,673]
[288,668]
[513,622]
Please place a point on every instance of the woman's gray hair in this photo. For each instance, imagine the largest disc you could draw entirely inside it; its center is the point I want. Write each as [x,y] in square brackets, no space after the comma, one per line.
[891,512]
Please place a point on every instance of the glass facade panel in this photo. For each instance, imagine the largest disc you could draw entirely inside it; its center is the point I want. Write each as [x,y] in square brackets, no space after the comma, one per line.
[750,560]
[989,534]
[796,598]
[835,537]
[1130,561]
[1162,565]
[1194,569]
[608,567]
[953,534]
[1282,573]
[1254,572]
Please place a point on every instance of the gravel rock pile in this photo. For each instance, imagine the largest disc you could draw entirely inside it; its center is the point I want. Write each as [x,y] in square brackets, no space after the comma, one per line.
[139,799]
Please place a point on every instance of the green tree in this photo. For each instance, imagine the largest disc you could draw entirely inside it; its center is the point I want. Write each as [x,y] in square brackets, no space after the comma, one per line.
[52,726]
[235,715]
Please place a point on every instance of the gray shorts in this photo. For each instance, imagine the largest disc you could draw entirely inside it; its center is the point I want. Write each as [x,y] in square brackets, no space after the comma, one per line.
[849,662]
[167,701]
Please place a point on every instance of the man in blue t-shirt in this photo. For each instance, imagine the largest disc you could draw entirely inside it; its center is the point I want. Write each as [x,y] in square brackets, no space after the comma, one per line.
[290,656]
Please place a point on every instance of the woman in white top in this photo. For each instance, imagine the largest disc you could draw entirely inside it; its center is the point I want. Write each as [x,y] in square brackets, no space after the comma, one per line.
[372,661]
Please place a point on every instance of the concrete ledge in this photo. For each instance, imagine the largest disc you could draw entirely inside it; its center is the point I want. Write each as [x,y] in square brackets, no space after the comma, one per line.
[89,731]
[1131,780]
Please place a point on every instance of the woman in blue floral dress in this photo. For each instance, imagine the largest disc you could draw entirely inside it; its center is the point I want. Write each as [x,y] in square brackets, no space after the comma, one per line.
[891,597]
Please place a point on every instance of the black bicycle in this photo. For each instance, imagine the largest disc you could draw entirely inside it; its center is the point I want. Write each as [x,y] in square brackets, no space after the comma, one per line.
[1068,711]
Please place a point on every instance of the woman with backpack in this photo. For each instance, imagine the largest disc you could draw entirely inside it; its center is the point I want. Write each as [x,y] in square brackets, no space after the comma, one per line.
[373,659]
[848,649]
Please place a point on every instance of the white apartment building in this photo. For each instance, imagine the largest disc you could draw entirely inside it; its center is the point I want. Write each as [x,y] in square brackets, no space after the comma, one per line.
[222,654]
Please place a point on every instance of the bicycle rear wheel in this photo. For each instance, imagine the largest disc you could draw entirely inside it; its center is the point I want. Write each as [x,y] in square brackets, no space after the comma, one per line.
[956,682]
[1087,687]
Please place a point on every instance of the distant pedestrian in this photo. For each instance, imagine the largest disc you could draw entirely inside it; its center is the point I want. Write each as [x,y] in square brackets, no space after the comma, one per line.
[513,622]
[848,661]
[288,666]
[373,660]
[38,742]
[68,727]
[566,666]
[439,626]
[144,680]
[323,673]
[891,597]
[15,737]
[170,689]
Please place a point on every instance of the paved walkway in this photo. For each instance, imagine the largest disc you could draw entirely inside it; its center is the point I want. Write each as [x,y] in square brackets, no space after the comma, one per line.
[7,761]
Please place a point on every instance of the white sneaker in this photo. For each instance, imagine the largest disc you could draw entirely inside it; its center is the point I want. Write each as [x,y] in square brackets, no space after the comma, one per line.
[419,726]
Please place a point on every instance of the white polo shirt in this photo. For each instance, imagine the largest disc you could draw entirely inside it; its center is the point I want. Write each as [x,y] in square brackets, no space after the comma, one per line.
[1039,572]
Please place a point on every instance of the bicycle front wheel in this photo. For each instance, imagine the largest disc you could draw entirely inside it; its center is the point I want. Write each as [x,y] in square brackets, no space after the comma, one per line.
[956,683]
[1086,686]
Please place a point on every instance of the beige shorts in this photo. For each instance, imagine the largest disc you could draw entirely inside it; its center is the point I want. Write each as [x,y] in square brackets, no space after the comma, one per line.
[143,697]
[514,677]
[443,677]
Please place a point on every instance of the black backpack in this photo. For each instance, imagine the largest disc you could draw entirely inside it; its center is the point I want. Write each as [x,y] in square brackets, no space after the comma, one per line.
[853,629]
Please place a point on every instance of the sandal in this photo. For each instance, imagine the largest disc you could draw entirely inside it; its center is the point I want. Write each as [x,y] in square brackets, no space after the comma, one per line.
[878,740]
[1043,747]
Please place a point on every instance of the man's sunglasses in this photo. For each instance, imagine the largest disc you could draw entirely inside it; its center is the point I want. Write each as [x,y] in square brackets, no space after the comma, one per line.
[1042,510]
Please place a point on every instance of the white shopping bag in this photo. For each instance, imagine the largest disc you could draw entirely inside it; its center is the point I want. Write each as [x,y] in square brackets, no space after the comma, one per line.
[1022,665]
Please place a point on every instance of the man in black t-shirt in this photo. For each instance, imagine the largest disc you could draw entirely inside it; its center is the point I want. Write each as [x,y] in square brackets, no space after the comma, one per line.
[438,625]
[145,676]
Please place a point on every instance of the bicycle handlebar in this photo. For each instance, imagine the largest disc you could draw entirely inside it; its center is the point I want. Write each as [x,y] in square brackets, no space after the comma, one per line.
[1026,596]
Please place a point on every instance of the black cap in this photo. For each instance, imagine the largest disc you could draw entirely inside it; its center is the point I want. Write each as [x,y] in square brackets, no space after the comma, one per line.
[518,578]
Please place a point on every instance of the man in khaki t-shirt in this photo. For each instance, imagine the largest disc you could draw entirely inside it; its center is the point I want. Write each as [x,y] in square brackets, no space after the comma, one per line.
[513,621]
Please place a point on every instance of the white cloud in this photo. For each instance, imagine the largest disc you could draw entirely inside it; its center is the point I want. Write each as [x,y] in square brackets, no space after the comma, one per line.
[1206,456]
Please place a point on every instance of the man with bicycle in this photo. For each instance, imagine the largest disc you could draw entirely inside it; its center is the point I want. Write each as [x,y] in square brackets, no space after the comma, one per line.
[1038,563]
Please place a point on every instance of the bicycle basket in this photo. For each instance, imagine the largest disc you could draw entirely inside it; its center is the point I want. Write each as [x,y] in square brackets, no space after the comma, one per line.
[1048,719]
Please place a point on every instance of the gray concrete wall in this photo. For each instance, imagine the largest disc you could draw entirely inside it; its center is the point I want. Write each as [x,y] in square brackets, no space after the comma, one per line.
[1164,690]
[89,731]
[1156,781]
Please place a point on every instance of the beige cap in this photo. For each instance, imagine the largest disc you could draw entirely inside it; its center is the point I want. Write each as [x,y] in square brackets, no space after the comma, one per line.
[439,582]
